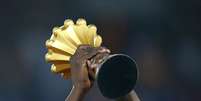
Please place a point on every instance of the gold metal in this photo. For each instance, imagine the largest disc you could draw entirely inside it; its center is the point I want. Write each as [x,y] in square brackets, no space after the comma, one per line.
[81,21]
[58,68]
[97,41]
[66,74]
[64,42]
[60,46]
[56,57]
[68,22]
[92,32]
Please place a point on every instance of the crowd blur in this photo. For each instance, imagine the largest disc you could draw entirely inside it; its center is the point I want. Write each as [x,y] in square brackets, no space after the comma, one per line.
[163,36]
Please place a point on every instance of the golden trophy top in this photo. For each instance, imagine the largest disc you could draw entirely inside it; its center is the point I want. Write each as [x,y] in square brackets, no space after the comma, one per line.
[64,42]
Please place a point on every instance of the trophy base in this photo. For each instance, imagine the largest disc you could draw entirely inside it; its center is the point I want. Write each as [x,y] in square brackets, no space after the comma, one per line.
[117,76]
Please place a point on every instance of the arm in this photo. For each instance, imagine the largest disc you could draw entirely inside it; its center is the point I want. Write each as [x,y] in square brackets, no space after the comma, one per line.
[83,70]
[132,96]
[75,95]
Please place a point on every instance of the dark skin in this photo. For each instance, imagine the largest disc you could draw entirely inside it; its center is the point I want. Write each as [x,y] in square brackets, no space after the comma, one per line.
[84,63]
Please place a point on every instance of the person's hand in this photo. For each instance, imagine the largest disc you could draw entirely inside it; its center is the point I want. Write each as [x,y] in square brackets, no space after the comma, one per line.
[83,66]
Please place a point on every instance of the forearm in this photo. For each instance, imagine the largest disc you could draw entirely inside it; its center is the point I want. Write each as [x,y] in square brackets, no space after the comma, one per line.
[132,96]
[75,95]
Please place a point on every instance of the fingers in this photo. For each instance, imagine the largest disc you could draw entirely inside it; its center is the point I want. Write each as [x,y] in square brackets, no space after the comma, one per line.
[98,59]
[84,63]
[103,50]
[91,71]
[92,65]
[90,57]
[85,52]
[81,54]
[92,74]
[91,52]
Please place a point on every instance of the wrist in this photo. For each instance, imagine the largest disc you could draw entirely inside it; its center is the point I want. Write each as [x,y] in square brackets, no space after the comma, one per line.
[82,86]
[75,95]
[79,91]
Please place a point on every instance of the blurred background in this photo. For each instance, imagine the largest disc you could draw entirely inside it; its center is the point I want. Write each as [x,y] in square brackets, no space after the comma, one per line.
[163,36]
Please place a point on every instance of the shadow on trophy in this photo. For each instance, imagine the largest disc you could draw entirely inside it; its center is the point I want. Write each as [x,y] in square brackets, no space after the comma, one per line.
[116,75]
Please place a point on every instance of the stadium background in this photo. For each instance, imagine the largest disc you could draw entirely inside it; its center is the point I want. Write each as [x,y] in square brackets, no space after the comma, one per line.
[163,36]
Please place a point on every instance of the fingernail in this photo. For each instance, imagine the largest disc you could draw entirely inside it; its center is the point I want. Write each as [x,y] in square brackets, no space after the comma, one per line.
[108,50]
[88,63]
[94,65]
[99,61]
[103,50]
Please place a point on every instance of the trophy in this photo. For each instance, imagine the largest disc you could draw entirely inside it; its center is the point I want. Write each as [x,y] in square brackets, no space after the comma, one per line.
[116,75]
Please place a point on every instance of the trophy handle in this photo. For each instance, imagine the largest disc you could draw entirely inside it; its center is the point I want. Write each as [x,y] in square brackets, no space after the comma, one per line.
[117,76]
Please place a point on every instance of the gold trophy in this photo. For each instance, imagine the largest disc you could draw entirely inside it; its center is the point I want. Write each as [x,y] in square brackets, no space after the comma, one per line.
[116,76]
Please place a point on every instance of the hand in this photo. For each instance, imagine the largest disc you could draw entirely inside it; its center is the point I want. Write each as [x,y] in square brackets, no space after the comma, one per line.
[83,67]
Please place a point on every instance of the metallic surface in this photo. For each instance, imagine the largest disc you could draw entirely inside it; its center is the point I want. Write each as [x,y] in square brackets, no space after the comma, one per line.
[64,42]
[117,76]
